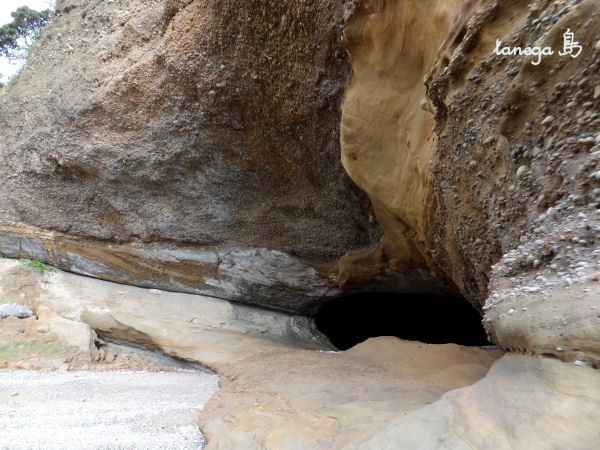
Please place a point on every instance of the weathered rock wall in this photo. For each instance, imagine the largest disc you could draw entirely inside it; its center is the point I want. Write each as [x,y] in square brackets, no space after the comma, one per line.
[164,143]
[387,136]
[195,146]
[483,167]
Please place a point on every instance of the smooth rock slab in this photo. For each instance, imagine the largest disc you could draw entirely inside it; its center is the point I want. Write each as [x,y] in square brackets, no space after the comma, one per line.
[108,410]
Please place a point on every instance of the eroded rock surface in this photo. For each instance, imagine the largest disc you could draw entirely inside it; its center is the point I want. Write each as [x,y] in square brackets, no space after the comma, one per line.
[482,168]
[504,410]
[194,146]
[382,393]
[517,152]
[199,138]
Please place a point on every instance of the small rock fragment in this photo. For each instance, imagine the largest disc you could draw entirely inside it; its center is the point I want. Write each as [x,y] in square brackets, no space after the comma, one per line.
[548,120]
[15,310]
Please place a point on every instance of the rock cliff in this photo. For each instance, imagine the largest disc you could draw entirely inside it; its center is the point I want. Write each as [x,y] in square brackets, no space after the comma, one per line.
[187,145]
[480,167]
[195,146]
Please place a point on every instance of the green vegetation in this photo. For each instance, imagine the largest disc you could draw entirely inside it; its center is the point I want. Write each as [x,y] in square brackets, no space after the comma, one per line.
[18,39]
[22,349]
[39,267]
[22,32]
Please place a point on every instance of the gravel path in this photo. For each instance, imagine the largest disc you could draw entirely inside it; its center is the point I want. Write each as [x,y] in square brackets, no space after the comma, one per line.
[102,410]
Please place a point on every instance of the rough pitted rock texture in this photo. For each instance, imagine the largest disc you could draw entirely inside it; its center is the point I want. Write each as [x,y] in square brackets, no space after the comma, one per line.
[205,125]
[195,146]
[514,175]
[482,168]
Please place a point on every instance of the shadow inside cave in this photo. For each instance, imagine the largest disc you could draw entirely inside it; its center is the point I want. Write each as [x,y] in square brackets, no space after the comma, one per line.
[349,320]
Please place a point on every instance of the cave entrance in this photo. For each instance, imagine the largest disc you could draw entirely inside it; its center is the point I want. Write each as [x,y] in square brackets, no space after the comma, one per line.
[350,320]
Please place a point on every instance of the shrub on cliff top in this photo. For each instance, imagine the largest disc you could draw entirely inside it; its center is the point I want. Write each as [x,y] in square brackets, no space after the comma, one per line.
[22,32]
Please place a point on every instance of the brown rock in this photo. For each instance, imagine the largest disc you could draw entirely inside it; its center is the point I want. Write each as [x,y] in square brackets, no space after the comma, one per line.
[204,132]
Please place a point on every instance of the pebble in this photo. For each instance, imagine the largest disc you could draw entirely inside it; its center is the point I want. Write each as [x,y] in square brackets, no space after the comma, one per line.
[595,175]
[511,311]
[548,120]
[559,349]
[512,72]
[572,105]
[578,363]
[587,140]
[597,46]
[521,171]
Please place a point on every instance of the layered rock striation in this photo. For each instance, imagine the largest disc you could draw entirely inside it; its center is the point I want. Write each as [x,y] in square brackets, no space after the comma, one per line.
[195,146]
[187,145]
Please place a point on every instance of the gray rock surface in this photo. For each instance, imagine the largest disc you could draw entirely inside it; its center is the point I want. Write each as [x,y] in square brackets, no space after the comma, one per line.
[16,310]
[208,127]
[192,327]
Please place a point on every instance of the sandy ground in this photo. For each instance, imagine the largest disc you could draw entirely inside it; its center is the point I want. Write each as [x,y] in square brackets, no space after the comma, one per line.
[103,410]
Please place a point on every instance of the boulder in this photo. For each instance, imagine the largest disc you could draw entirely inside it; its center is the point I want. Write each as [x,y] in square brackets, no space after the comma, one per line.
[185,145]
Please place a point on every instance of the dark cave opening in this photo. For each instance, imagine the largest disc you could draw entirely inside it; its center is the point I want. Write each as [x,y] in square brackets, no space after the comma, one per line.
[350,320]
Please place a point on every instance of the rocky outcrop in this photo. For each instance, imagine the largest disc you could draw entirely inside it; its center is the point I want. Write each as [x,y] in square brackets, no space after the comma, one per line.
[281,387]
[191,327]
[186,145]
[195,146]
[512,389]
[517,153]
[480,166]
[387,136]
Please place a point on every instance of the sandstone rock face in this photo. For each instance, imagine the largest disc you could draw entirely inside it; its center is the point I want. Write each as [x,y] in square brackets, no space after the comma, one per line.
[510,393]
[274,394]
[482,167]
[200,139]
[195,146]
[387,137]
